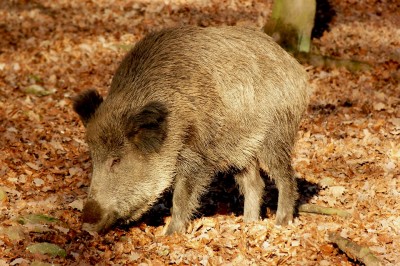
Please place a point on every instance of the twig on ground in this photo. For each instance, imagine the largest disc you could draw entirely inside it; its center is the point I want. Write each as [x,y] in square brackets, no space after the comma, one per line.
[331,62]
[312,208]
[354,251]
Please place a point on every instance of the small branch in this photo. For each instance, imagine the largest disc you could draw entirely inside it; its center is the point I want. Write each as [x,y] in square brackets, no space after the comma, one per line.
[326,61]
[312,208]
[354,251]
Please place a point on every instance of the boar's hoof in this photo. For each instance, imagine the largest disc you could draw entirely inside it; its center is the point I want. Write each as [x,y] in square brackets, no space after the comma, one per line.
[283,219]
[175,228]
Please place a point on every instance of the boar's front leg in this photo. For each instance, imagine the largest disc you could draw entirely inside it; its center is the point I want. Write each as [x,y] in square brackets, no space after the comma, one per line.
[192,177]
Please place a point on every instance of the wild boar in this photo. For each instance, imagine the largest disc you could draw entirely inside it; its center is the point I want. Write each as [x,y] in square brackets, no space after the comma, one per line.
[187,103]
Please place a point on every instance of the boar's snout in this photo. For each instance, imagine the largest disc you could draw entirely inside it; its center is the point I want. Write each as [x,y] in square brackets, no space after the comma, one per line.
[95,218]
[92,212]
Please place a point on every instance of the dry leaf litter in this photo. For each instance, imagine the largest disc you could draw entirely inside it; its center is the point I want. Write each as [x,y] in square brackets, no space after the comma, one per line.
[347,156]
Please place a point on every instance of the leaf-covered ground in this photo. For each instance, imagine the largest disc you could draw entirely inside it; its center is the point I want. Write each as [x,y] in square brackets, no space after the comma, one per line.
[347,156]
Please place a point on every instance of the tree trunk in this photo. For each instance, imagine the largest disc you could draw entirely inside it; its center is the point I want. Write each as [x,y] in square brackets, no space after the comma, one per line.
[291,24]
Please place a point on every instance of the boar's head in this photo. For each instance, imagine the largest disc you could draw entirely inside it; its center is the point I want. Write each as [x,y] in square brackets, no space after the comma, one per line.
[125,144]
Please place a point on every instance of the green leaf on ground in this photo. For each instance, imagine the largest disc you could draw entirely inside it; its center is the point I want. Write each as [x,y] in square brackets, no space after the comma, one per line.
[47,249]
[37,90]
[36,219]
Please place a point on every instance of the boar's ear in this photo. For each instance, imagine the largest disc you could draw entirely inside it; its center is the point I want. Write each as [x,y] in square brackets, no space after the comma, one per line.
[148,129]
[86,103]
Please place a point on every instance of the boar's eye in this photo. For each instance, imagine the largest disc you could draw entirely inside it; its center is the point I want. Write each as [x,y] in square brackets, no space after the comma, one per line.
[114,162]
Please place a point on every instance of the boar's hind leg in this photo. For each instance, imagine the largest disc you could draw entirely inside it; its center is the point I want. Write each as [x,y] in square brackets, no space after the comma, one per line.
[252,188]
[277,163]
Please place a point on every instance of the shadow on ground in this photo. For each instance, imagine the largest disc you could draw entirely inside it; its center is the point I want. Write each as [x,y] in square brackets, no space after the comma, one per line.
[223,198]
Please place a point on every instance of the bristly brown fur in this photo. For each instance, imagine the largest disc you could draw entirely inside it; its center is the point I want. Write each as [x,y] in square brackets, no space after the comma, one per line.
[187,103]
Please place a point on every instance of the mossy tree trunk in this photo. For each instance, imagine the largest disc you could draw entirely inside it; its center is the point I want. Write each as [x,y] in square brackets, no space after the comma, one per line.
[291,24]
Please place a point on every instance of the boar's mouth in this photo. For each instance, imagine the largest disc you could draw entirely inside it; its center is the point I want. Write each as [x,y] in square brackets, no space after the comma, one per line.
[96,219]
[102,226]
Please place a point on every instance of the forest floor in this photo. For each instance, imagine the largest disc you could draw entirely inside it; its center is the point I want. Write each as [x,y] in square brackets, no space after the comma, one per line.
[347,156]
